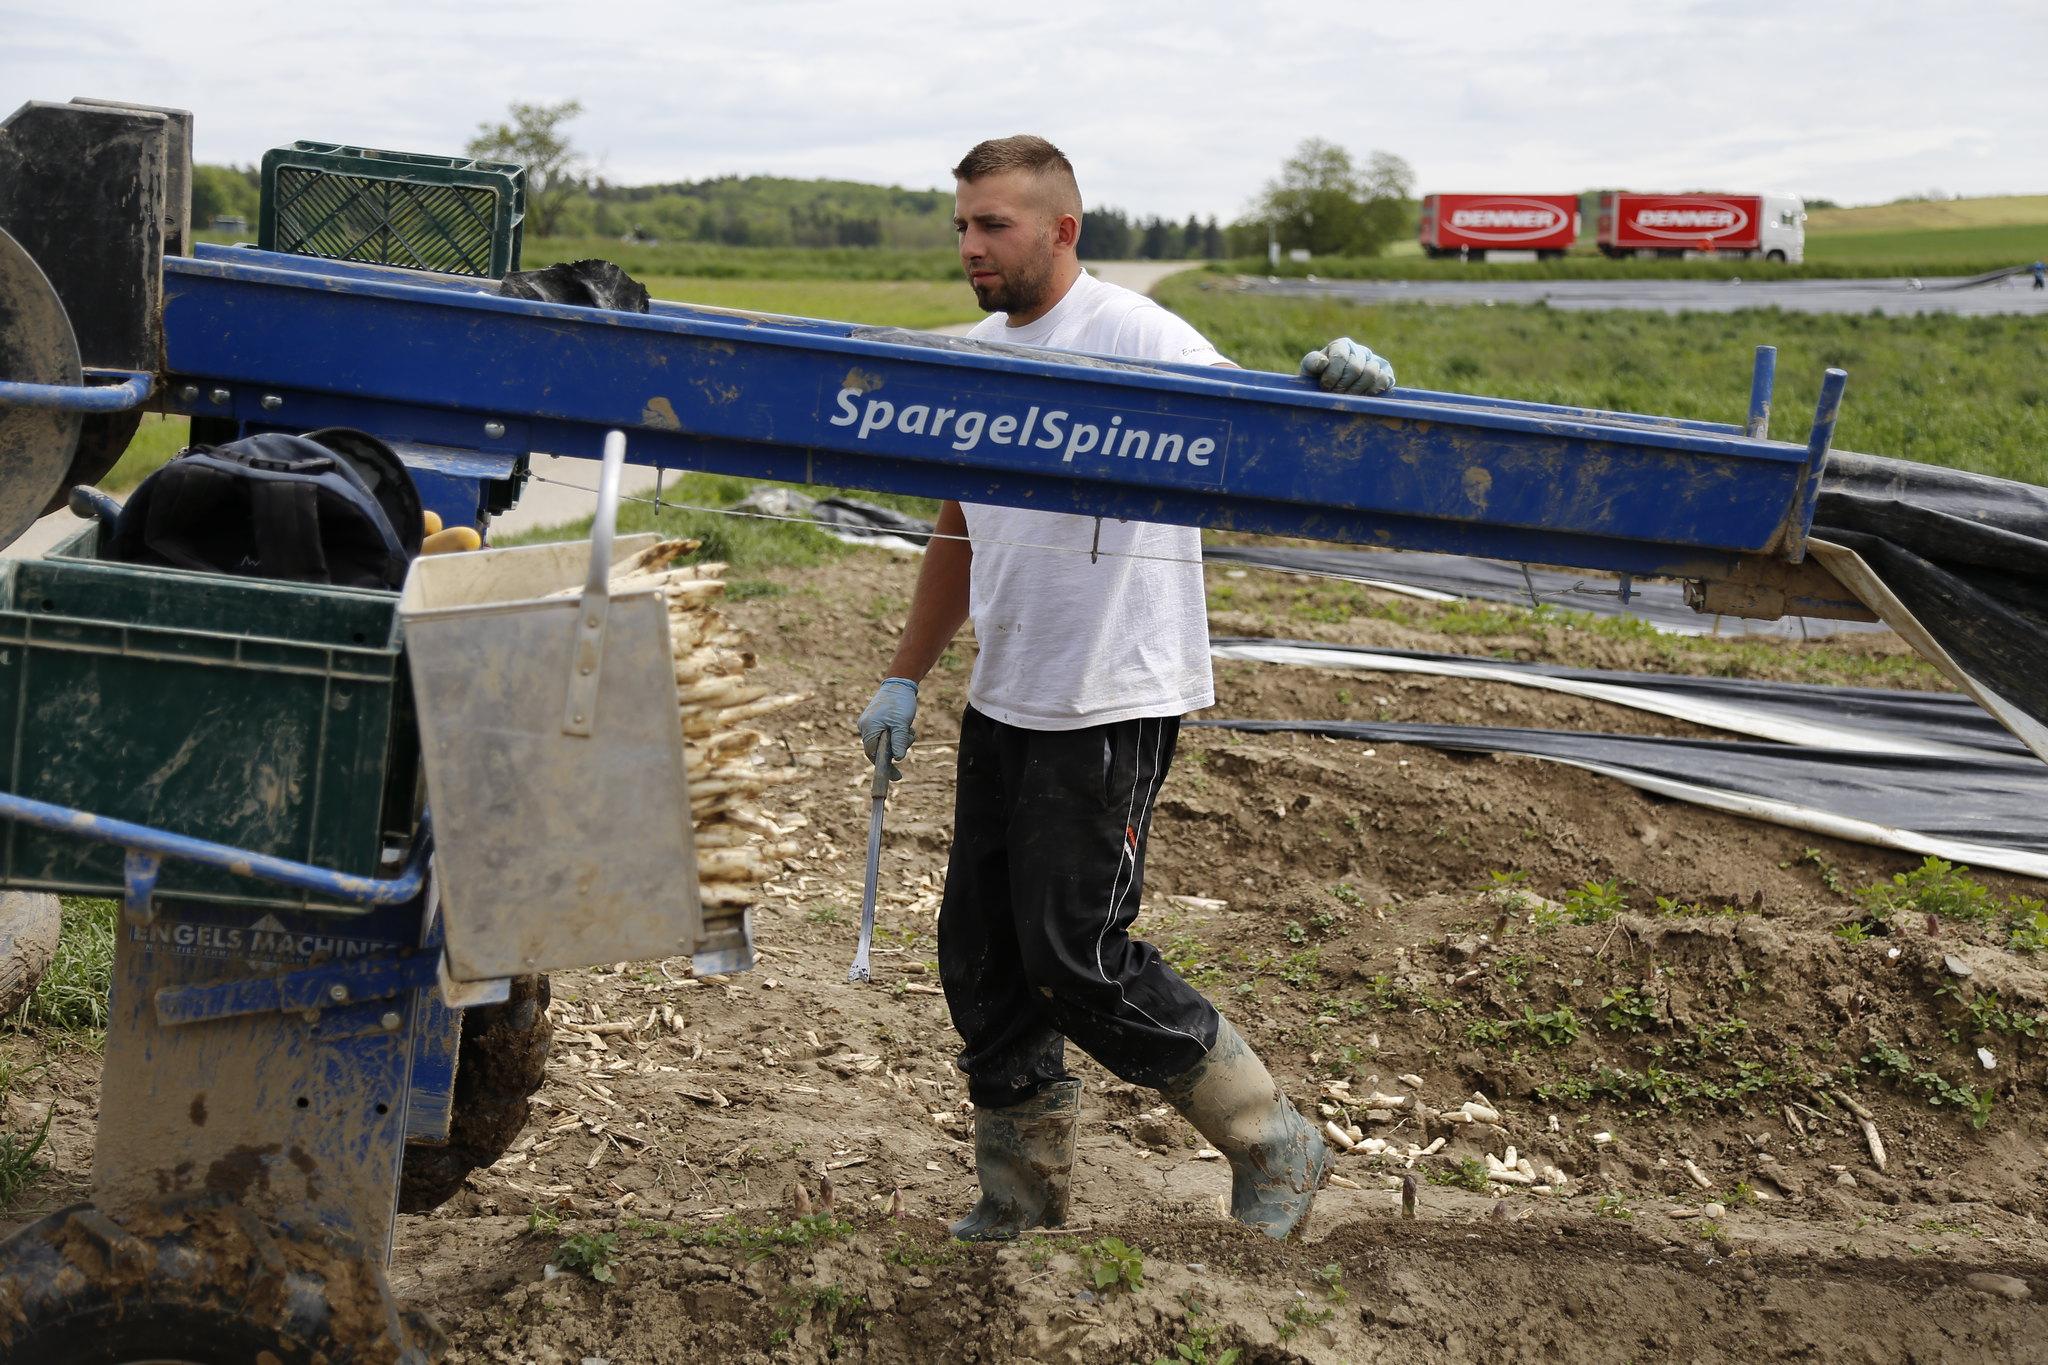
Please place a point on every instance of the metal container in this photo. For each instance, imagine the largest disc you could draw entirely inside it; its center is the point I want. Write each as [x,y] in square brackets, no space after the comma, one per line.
[554,754]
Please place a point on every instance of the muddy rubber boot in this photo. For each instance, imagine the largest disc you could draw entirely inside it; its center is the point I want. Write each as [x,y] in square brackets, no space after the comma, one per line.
[1277,1159]
[1024,1155]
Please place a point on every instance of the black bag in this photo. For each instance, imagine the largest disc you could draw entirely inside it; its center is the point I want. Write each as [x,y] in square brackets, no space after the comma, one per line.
[333,506]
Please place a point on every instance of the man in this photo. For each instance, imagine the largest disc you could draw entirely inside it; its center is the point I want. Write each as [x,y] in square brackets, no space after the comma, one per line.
[1090,652]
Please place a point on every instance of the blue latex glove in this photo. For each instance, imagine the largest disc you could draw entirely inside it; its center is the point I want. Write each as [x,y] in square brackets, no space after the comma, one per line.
[892,710]
[1344,366]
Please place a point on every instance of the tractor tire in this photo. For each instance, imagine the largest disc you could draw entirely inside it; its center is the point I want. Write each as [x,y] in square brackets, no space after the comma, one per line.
[502,1062]
[30,923]
[202,1281]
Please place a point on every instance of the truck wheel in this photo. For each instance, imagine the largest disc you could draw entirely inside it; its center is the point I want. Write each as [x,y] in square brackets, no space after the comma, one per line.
[30,923]
[199,1281]
[1774,255]
[502,1060]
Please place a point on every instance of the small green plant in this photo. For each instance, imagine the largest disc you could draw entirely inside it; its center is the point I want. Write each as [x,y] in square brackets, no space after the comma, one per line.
[1933,888]
[1199,1345]
[1467,1174]
[1301,1314]
[543,1223]
[1830,876]
[1347,895]
[1855,931]
[826,914]
[1629,1010]
[1487,1032]
[19,1166]
[1595,903]
[590,1253]
[1331,1278]
[1615,1206]
[1112,1264]
[2029,928]
[1558,1028]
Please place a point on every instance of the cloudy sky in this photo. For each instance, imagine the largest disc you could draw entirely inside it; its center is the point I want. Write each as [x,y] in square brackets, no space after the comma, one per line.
[1164,108]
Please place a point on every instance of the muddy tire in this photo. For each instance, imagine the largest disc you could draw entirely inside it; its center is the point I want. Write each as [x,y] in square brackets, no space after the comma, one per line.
[29,926]
[503,1060]
[205,1282]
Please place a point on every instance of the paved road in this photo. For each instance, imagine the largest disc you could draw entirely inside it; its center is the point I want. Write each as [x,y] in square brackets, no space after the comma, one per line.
[1891,296]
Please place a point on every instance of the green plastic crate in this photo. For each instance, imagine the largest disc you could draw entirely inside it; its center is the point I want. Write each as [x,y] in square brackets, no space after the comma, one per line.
[455,215]
[268,716]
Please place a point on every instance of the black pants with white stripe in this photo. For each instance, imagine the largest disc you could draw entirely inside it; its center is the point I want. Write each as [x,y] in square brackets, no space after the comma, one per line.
[1049,831]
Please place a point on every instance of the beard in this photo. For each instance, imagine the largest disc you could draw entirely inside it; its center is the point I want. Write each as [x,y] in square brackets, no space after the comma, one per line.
[1019,290]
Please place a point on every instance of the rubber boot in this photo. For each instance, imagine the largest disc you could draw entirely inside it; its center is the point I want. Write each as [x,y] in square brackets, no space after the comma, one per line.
[1024,1155]
[1277,1159]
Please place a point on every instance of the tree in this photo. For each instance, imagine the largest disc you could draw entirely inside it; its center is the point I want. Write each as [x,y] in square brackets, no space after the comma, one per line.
[1325,202]
[533,137]
[222,192]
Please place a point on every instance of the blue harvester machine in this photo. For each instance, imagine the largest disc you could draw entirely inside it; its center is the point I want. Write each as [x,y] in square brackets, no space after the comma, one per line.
[239,761]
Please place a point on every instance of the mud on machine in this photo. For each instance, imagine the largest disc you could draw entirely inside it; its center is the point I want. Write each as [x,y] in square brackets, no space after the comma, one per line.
[350,829]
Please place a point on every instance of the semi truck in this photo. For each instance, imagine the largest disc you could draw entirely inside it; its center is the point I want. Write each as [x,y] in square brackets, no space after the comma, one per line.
[1770,226]
[1470,225]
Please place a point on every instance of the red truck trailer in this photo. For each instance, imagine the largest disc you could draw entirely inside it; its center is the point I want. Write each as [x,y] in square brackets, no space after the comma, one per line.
[1470,225]
[1768,225]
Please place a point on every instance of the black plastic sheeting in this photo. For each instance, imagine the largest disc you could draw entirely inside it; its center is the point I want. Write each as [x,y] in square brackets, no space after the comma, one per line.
[1930,717]
[1967,554]
[1660,603]
[861,519]
[586,284]
[1991,803]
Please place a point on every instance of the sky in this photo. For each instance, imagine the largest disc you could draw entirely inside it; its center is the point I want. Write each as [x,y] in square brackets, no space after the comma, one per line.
[1164,108]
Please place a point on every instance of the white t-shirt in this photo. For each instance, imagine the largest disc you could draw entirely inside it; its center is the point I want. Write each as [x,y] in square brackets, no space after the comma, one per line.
[1066,642]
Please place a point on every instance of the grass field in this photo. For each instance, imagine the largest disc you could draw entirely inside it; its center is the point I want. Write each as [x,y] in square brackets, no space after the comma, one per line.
[2009,210]
[1957,251]
[881,303]
[1967,392]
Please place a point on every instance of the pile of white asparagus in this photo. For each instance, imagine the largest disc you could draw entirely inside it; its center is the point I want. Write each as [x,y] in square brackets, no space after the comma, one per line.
[740,844]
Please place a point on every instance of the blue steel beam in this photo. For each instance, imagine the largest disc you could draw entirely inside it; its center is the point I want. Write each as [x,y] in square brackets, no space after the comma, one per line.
[811,402]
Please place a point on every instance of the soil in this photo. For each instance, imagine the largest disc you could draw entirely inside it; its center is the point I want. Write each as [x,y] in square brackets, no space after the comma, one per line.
[1692,1032]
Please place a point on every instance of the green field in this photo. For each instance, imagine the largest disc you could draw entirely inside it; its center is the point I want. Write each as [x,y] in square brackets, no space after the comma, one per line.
[1957,251]
[1966,392]
[2008,210]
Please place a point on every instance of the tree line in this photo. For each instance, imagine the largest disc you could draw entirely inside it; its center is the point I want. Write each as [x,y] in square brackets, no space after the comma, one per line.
[1323,201]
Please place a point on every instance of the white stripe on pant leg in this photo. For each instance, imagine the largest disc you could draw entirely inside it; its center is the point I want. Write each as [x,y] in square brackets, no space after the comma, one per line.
[1158,741]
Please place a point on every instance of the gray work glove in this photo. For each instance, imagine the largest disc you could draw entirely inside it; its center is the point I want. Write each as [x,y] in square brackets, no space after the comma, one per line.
[892,710]
[1344,366]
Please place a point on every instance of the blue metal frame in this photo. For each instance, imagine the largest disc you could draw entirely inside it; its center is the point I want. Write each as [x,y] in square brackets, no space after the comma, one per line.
[1763,377]
[797,400]
[129,390]
[147,846]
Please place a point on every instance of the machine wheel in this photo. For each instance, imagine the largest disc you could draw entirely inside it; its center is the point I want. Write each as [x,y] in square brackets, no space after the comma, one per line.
[1774,255]
[502,1061]
[199,1281]
[30,923]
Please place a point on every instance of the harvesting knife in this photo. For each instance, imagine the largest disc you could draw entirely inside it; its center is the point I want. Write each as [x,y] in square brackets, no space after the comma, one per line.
[883,767]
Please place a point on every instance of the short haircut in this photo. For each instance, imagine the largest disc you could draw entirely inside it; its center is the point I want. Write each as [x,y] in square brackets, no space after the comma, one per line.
[1025,152]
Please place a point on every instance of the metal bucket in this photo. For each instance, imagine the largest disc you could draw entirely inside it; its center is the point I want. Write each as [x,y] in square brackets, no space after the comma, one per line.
[553,753]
